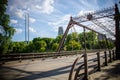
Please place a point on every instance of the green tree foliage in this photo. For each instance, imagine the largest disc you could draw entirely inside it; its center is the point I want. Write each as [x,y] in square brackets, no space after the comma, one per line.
[74,41]
[72,36]
[30,47]
[91,39]
[57,39]
[49,42]
[73,45]
[39,44]
[55,46]
[6,31]
[110,45]
[103,44]
[17,47]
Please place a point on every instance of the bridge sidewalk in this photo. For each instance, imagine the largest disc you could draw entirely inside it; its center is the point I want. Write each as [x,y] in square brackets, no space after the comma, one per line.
[110,72]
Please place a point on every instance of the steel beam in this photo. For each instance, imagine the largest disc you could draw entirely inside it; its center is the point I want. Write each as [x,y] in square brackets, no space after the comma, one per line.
[117,28]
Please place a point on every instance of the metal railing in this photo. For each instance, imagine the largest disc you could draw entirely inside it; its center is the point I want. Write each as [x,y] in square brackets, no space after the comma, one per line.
[101,59]
[23,56]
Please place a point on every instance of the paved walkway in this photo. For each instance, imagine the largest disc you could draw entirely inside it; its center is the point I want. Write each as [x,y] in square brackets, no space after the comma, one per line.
[110,72]
[50,69]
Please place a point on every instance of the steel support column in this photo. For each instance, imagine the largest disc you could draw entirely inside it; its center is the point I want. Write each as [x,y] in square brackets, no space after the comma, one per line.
[117,28]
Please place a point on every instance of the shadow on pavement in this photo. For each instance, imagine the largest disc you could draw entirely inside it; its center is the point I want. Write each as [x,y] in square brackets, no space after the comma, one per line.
[112,73]
[32,75]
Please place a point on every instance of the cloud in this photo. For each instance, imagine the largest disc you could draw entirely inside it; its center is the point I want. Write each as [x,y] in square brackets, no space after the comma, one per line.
[61,21]
[47,6]
[18,30]
[19,13]
[89,4]
[83,12]
[32,20]
[37,6]
[13,21]
[32,30]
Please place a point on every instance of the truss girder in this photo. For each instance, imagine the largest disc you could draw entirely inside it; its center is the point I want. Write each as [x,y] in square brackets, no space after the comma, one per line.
[109,12]
[103,27]
[95,17]
[71,23]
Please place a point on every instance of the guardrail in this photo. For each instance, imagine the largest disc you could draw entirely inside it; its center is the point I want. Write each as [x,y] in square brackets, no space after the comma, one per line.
[23,56]
[101,59]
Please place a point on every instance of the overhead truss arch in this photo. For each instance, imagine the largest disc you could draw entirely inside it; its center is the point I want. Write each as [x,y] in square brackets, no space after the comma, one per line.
[98,19]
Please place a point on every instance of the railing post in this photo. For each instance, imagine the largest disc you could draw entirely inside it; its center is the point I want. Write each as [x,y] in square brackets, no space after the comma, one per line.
[85,58]
[33,57]
[113,54]
[20,60]
[106,63]
[110,56]
[86,67]
[98,60]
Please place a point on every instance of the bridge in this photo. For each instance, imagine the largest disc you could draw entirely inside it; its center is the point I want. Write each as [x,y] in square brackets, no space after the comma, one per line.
[65,68]
[112,14]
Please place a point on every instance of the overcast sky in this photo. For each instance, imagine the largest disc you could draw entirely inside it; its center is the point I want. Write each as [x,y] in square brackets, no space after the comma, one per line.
[47,15]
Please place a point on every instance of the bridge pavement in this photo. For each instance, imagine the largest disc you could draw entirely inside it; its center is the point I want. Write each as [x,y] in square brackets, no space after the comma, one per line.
[48,69]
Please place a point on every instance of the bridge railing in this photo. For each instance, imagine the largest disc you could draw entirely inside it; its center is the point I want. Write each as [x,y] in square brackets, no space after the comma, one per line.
[94,64]
[23,56]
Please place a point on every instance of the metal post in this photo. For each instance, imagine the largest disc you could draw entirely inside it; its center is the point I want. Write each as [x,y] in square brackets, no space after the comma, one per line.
[20,60]
[113,54]
[28,28]
[117,28]
[92,40]
[110,56]
[99,45]
[65,34]
[98,60]
[106,63]
[106,40]
[33,57]
[85,58]
[25,30]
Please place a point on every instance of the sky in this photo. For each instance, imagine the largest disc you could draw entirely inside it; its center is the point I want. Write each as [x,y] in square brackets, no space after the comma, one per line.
[45,16]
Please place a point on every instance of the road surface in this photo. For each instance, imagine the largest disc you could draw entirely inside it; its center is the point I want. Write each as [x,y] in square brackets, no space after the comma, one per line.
[48,69]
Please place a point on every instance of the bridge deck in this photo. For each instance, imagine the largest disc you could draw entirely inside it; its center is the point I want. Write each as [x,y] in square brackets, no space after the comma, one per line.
[48,69]
[111,72]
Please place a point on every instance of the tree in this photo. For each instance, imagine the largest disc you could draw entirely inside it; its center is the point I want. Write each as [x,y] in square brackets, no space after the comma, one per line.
[17,47]
[72,36]
[55,46]
[102,44]
[91,39]
[6,31]
[39,45]
[49,42]
[36,39]
[73,45]
[30,47]
[110,44]
[57,39]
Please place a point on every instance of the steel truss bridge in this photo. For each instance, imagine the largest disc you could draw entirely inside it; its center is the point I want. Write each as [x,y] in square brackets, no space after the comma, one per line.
[101,22]
[104,22]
